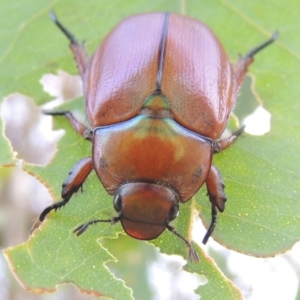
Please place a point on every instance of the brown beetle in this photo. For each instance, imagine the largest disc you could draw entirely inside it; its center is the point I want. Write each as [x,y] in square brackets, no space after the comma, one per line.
[159,91]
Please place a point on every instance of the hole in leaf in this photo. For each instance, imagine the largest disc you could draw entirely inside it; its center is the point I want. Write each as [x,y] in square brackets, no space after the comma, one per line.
[62,86]
[29,131]
[158,274]
[168,269]
[250,110]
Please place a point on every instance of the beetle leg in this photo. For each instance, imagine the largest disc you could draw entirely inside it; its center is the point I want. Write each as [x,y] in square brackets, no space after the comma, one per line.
[214,220]
[72,184]
[242,65]
[215,190]
[77,126]
[77,48]
[218,146]
[193,256]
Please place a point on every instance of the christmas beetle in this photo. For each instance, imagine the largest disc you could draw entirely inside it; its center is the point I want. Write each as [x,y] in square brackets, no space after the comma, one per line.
[158,92]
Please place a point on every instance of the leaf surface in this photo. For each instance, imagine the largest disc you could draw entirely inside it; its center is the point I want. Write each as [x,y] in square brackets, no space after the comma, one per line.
[262,175]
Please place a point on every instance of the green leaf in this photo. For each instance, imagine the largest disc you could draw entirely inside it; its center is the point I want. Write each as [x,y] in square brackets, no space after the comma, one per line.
[262,175]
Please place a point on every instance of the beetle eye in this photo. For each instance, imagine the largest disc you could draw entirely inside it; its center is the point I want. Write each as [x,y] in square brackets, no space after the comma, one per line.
[118,201]
[173,212]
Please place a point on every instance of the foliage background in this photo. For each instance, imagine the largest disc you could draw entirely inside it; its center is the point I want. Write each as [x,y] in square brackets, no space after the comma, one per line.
[263,180]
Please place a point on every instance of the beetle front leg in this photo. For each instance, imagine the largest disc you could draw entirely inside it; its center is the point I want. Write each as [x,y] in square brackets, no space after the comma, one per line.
[77,126]
[240,68]
[215,190]
[72,184]
[78,49]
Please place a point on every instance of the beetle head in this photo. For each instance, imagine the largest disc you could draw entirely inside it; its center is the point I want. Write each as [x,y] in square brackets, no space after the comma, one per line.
[145,209]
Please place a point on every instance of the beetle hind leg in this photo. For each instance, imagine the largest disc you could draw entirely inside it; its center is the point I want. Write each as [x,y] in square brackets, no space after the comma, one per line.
[215,190]
[240,68]
[77,48]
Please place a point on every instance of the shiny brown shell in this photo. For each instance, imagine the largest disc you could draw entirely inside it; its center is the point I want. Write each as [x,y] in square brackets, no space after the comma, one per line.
[197,78]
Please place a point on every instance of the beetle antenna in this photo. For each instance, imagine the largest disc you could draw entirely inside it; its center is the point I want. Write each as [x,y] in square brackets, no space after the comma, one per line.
[68,34]
[193,256]
[273,38]
[82,228]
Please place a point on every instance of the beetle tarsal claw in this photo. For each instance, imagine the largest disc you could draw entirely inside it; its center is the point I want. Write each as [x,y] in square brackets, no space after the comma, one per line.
[193,256]
[54,207]
[255,50]
[67,33]
[81,229]
[214,220]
